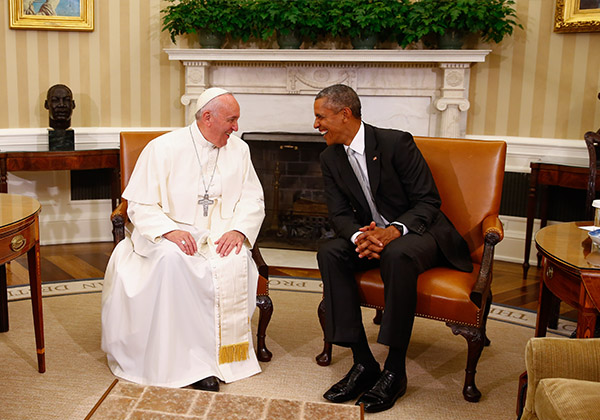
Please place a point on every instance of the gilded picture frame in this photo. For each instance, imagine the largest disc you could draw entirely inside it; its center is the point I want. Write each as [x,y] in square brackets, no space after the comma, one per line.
[577,16]
[59,15]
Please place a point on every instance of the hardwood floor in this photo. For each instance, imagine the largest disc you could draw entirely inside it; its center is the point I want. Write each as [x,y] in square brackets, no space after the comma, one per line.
[63,262]
[80,261]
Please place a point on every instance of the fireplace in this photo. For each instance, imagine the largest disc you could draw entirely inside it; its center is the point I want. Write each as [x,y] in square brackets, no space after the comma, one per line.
[424,92]
[288,167]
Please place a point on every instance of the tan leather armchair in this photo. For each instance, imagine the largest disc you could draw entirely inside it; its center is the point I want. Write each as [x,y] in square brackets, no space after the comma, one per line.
[132,143]
[469,176]
[563,379]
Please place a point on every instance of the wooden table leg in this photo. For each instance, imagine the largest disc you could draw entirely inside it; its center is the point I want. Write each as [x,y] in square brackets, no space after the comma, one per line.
[589,302]
[531,204]
[115,187]
[3,174]
[35,285]
[544,306]
[543,216]
[3,300]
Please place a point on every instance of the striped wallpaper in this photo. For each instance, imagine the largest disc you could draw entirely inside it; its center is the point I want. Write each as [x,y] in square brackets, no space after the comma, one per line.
[535,84]
[538,83]
[118,73]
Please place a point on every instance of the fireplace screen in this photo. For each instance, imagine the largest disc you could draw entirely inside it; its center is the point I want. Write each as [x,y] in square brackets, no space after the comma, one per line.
[288,167]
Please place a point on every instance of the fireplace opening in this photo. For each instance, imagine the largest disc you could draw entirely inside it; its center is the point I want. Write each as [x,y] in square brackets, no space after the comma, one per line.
[287,165]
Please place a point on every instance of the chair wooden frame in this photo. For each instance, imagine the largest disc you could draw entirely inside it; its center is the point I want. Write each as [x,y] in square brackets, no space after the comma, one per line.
[132,143]
[592,141]
[469,176]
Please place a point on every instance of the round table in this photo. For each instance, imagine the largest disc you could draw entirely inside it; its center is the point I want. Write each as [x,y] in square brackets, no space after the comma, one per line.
[20,234]
[571,272]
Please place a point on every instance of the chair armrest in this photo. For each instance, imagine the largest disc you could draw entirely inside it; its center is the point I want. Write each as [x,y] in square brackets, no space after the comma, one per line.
[263,268]
[548,357]
[493,232]
[120,210]
[119,218]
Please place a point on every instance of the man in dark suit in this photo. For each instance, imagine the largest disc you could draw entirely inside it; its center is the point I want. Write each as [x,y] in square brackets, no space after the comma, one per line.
[392,221]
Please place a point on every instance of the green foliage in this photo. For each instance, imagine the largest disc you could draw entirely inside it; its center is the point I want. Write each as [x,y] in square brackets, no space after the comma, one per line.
[406,20]
[219,16]
[304,17]
[491,19]
[355,18]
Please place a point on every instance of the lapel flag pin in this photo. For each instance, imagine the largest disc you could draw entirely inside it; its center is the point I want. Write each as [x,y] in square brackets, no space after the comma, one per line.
[375,158]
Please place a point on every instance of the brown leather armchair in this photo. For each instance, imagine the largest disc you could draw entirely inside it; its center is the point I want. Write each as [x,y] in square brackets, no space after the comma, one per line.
[469,176]
[132,143]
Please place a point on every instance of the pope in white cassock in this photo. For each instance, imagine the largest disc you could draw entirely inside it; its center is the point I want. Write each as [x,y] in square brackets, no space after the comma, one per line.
[179,290]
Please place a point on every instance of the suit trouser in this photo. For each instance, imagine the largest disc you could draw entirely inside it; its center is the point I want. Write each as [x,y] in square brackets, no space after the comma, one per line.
[402,260]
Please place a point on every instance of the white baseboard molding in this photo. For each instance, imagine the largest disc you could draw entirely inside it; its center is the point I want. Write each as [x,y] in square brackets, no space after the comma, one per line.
[94,227]
[512,247]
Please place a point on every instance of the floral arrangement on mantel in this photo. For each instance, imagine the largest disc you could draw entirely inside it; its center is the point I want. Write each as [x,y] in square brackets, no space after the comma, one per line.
[391,23]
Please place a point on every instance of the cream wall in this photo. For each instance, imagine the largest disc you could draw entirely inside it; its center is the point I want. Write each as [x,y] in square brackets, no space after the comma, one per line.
[536,83]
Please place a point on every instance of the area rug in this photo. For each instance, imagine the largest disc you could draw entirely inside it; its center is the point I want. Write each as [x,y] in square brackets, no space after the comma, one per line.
[524,317]
[77,375]
[131,401]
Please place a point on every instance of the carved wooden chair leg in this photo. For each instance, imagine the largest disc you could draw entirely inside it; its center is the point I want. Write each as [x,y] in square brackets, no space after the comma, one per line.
[323,358]
[377,318]
[488,305]
[265,306]
[475,342]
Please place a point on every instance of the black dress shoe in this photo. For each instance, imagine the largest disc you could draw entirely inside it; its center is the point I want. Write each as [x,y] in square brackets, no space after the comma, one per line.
[388,388]
[356,381]
[207,384]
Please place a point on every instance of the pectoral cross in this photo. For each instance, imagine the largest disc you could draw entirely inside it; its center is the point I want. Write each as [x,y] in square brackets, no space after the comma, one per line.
[205,201]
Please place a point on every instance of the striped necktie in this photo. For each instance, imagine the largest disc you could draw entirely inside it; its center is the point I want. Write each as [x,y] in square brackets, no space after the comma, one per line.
[364,184]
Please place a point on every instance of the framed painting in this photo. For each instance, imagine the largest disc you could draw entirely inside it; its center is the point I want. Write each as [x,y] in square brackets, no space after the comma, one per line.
[577,16]
[60,15]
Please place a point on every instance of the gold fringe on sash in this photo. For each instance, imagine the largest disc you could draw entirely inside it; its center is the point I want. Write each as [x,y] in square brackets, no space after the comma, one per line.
[233,353]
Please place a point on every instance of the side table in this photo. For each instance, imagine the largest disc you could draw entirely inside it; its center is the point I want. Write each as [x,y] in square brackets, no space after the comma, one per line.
[62,160]
[571,272]
[545,174]
[20,234]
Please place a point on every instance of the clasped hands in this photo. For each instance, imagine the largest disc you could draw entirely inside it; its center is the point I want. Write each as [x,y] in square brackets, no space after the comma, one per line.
[371,242]
[225,244]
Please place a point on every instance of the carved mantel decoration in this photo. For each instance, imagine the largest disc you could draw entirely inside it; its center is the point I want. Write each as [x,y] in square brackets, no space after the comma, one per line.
[422,91]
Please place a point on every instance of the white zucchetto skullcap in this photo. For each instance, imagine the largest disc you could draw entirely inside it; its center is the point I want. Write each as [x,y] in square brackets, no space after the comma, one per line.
[207,96]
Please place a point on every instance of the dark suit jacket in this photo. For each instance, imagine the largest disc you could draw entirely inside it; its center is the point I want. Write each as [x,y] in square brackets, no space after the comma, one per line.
[402,186]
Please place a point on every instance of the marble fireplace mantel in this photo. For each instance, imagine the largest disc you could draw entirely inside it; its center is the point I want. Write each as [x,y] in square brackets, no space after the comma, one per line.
[422,91]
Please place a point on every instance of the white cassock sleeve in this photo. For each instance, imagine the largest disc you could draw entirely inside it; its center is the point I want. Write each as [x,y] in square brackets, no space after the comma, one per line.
[150,221]
[249,211]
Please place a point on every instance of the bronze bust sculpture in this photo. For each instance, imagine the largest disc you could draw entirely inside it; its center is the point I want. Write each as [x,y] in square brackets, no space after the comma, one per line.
[60,104]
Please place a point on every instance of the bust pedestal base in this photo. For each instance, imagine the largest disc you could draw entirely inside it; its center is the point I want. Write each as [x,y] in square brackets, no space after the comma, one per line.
[61,139]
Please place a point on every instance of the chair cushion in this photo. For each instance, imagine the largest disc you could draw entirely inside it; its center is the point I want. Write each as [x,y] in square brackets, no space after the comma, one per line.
[572,399]
[442,293]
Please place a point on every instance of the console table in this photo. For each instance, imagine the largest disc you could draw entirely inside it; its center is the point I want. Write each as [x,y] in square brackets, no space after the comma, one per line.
[62,160]
[20,234]
[544,174]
